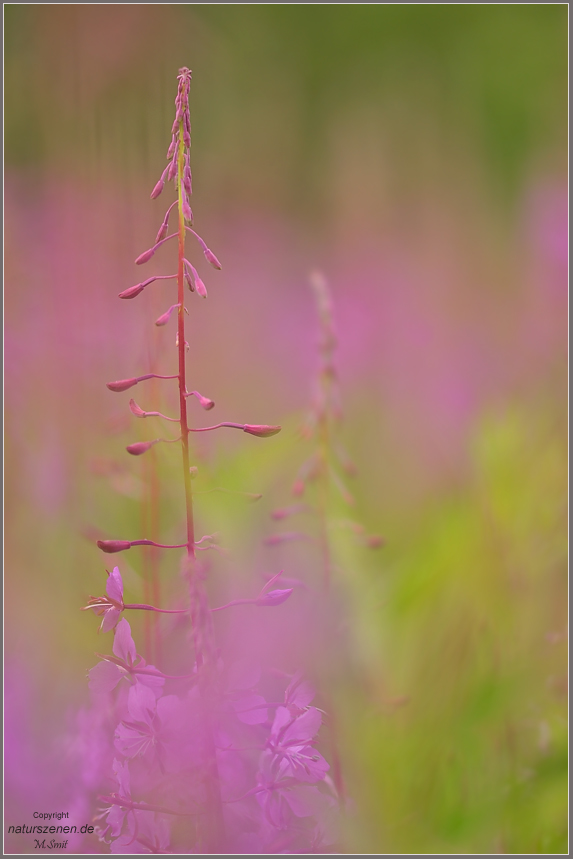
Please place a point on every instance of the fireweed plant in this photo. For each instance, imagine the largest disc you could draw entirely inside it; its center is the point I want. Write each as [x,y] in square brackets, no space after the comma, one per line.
[201,762]
[320,473]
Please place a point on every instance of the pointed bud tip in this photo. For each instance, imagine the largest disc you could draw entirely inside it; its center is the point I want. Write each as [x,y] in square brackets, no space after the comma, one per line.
[111,546]
[121,385]
[261,430]
[136,410]
[158,189]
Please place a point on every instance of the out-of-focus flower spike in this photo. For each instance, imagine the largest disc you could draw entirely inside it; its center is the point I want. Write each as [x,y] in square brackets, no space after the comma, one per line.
[164,318]
[283,512]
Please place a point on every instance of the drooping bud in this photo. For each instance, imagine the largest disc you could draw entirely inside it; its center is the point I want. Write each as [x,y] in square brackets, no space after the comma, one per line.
[145,256]
[159,187]
[162,232]
[187,213]
[211,258]
[164,318]
[274,597]
[122,385]
[111,546]
[261,430]
[204,401]
[136,410]
[132,291]
[200,287]
[140,447]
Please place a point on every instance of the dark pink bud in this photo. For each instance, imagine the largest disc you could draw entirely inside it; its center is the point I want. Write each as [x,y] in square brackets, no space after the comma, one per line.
[204,401]
[274,597]
[172,170]
[139,413]
[111,546]
[261,430]
[171,149]
[164,318]
[145,256]
[211,258]
[122,384]
[186,138]
[132,291]
[140,447]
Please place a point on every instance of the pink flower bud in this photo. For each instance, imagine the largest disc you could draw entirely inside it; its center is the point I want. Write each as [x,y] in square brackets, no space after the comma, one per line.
[172,169]
[132,291]
[164,318]
[274,597]
[139,413]
[200,287]
[145,256]
[187,213]
[171,149]
[162,232]
[159,187]
[261,430]
[211,258]
[122,385]
[140,447]
[111,546]
[204,401]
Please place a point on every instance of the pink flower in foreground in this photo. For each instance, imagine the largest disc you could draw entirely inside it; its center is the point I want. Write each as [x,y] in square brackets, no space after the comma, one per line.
[281,797]
[291,742]
[115,815]
[125,663]
[152,725]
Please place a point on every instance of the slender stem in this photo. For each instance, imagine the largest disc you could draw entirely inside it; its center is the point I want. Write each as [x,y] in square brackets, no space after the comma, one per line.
[144,607]
[181,347]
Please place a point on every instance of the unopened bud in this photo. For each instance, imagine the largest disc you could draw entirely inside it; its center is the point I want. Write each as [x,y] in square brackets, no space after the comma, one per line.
[164,318]
[187,213]
[122,385]
[145,256]
[140,447]
[274,597]
[204,401]
[135,409]
[200,287]
[162,232]
[193,471]
[132,291]
[211,258]
[261,430]
[111,546]
[158,189]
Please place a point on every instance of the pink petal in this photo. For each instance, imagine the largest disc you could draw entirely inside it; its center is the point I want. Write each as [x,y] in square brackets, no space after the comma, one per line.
[141,703]
[104,677]
[123,644]
[250,709]
[114,586]
[110,619]
[305,727]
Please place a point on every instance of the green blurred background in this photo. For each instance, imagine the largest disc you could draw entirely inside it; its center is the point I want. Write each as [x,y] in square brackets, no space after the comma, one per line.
[417,154]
